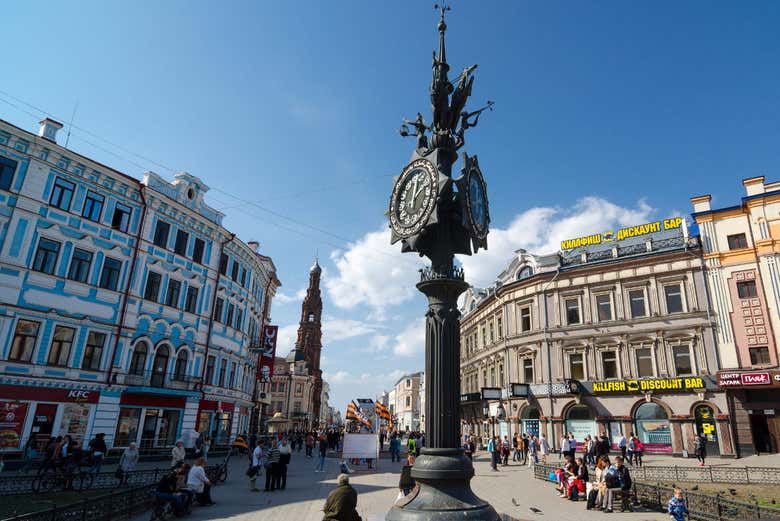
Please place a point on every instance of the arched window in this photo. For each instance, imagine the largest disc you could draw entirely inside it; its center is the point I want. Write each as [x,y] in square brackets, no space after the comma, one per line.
[311,317]
[525,272]
[580,421]
[473,306]
[138,360]
[180,369]
[652,427]
[650,411]
[160,366]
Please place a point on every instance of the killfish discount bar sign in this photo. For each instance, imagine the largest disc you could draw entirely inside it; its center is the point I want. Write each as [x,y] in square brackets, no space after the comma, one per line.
[623,233]
[642,386]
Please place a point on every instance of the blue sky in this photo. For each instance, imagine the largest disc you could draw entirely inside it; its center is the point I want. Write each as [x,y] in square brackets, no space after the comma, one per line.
[607,113]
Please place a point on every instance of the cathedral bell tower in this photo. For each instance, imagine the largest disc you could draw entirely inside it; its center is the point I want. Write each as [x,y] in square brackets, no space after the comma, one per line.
[309,339]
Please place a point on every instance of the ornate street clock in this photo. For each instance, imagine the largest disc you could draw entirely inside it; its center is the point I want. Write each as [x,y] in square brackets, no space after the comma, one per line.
[413,198]
[476,214]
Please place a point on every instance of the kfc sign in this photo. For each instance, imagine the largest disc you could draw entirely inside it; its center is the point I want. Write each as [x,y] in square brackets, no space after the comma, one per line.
[79,396]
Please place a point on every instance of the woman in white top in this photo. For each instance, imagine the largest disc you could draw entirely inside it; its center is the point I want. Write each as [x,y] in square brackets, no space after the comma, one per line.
[544,448]
[199,483]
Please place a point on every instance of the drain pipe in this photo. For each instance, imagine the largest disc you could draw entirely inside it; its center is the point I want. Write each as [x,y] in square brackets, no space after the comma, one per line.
[211,315]
[547,345]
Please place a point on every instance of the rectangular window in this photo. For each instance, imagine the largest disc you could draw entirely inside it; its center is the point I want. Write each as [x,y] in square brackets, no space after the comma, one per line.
[152,290]
[737,241]
[492,377]
[528,370]
[210,369]
[759,356]
[484,336]
[637,299]
[223,262]
[93,206]
[229,317]
[222,372]
[243,277]
[62,194]
[173,293]
[239,318]
[682,360]
[191,301]
[197,250]
[281,387]
[644,362]
[604,306]
[59,352]
[218,308]
[46,256]
[232,378]
[109,276]
[121,218]
[490,326]
[673,299]
[23,344]
[525,319]
[500,327]
[180,247]
[609,364]
[572,311]
[234,271]
[93,351]
[577,366]
[80,263]
[747,289]
[7,169]
[161,232]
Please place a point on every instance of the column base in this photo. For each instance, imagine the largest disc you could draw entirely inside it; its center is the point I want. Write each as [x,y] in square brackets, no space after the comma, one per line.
[443,492]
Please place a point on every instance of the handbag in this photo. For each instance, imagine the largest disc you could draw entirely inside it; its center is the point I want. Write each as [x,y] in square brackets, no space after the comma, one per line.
[251,471]
[119,473]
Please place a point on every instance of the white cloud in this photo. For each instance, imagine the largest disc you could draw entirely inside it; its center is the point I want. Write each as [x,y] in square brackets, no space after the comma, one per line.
[410,341]
[372,272]
[335,329]
[283,298]
[541,230]
[286,339]
[337,377]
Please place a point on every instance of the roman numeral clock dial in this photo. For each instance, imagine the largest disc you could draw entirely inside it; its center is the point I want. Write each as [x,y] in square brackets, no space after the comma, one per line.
[413,198]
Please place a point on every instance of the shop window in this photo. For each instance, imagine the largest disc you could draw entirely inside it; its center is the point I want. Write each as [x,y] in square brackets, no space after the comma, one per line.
[109,275]
[197,250]
[212,361]
[152,289]
[62,194]
[191,300]
[759,356]
[747,289]
[525,319]
[652,427]
[573,311]
[138,360]
[737,241]
[580,421]
[93,351]
[604,306]
[23,344]
[180,246]
[59,351]
[121,218]
[682,360]
[180,368]
[93,206]
[173,293]
[577,366]
[169,426]
[636,298]
[609,364]
[7,169]
[673,295]
[161,231]
[80,263]
[46,256]
[528,370]
[644,362]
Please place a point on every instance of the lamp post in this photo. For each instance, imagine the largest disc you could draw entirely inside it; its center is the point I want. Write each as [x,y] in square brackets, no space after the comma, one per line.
[437,216]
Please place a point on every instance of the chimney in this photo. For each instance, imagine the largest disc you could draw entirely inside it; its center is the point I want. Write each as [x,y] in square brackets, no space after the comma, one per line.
[48,129]
[254,245]
[754,185]
[701,203]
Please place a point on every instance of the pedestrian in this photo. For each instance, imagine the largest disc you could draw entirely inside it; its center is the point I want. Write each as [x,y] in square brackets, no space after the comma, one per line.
[468,448]
[630,449]
[382,436]
[618,481]
[411,445]
[563,447]
[186,495]
[621,443]
[285,454]
[493,448]
[544,448]
[271,466]
[505,448]
[199,483]
[128,461]
[533,447]
[406,482]
[30,453]
[700,448]
[256,465]
[206,446]
[166,491]
[341,504]
[309,445]
[639,450]
[395,448]
[323,452]
[97,447]
[178,453]
[677,507]
[524,446]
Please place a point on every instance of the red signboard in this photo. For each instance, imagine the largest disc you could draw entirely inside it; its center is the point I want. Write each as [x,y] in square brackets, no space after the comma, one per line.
[749,379]
[12,415]
[45,394]
[755,379]
[265,366]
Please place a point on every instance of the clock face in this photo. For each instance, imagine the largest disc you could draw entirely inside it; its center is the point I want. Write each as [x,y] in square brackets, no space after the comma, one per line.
[413,198]
[479,215]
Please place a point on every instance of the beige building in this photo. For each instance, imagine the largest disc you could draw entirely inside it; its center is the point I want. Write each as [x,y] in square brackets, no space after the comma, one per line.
[404,401]
[742,253]
[611,335]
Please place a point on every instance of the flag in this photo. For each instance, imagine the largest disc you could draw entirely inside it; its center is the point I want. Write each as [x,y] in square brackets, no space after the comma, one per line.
[382,411]
[355,413]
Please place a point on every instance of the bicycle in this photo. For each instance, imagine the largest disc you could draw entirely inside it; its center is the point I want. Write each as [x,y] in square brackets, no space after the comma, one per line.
[57,478]
[222,469]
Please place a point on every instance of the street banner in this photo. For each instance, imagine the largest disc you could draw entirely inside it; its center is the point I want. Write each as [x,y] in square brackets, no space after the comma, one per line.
[12,416]
[265,367]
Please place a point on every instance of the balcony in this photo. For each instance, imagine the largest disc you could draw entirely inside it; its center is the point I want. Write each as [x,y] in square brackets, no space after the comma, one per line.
[161,380]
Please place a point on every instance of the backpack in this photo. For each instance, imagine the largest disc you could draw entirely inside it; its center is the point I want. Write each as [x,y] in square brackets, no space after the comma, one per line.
[611,478]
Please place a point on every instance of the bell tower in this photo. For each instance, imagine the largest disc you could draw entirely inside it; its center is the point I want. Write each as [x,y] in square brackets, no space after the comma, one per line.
[309,339]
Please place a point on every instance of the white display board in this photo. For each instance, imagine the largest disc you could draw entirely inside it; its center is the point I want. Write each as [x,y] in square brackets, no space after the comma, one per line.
[360,446]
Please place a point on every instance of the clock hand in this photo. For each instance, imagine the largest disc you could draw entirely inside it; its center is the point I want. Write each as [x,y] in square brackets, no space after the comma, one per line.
[415,191]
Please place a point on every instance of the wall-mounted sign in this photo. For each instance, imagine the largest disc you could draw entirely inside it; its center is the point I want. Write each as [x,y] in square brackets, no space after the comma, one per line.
[656,384]
[265,363]
[470,397]
[749,379]
[623,233]
[519,390]
[491,393]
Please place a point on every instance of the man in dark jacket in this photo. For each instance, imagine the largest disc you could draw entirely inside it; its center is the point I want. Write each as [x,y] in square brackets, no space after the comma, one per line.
[618,481]
[342,502]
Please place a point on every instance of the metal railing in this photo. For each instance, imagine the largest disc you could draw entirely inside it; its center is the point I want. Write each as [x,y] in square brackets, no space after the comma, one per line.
[158,379]
[429,273]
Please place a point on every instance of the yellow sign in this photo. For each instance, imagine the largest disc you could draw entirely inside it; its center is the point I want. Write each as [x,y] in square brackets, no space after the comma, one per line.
[642,386]
[624,233]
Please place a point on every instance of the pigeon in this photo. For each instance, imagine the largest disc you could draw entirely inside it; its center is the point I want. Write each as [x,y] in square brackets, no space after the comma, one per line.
[733,491]
[535,510]
[695,487]
[515,503]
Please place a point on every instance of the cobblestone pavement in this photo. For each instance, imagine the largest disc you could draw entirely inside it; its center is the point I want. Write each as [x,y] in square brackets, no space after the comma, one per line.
[306,492]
